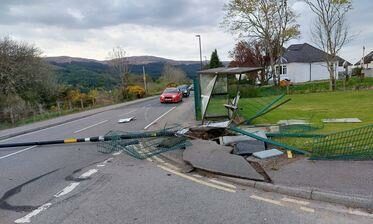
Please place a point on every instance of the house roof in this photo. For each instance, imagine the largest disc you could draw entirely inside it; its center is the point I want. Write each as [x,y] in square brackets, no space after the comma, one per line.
[230,71]
[306,53]
[367,59]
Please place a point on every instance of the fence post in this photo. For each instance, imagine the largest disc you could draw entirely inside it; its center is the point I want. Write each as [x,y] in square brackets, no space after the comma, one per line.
[197,98]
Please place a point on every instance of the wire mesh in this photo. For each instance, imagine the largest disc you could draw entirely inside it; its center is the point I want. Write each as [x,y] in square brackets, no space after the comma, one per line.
[355,144]
[139,147]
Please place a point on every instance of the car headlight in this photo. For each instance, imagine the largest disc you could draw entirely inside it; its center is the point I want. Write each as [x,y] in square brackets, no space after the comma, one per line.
[174,96]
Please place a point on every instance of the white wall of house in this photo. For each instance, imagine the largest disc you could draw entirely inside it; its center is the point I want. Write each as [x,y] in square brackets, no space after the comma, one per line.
[304,72]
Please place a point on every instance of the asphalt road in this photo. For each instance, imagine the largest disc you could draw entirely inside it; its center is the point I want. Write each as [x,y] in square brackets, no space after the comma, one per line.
[77,184]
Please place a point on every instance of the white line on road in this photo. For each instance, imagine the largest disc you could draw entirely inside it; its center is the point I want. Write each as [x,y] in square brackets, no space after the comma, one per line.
[105,162]
[266,200]
[88,173]
[222,183]
[127,113]
[117,153]
[14,153]
[147,126]
[306,209]
[296,201]
[358,212]
[67,189]
[27,218]
[196,180]
[91,126]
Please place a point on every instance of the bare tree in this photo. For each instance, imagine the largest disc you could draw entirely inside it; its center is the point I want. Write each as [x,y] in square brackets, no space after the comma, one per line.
[330,30]
[171,74]
[119,63]
[269,22]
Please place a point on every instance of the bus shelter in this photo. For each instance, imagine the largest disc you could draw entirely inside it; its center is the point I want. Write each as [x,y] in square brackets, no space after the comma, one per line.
[219,90]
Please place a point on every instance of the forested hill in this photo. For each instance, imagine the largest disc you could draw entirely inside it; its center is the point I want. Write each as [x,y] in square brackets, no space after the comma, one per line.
[88,73]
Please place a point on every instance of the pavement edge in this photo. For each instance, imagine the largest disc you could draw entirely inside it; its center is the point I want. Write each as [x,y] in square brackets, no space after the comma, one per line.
[354,201]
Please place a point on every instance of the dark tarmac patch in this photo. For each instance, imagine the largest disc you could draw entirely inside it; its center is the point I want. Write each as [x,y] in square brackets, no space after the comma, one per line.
[19,208]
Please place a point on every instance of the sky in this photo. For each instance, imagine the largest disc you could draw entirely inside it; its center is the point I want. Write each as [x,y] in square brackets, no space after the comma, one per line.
[164,28]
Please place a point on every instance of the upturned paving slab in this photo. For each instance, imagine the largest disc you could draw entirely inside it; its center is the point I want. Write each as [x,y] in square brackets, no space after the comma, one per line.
[209,156]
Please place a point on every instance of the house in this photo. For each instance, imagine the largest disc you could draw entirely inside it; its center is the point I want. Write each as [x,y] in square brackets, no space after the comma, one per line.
[304,62]
[367,64]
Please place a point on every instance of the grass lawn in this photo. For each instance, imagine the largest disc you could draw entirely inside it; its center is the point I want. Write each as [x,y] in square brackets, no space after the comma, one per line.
[313,106]
[317,106]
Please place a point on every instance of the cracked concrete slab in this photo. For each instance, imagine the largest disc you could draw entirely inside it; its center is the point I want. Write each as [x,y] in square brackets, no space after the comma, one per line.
[209,156]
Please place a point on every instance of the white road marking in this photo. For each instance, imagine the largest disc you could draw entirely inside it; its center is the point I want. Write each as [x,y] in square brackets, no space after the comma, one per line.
[358,212]
[33,132]
[91,126]
[311,210]
[222,183]
[88,173]
[158,159]
[172,166]
[67,189]
[296,201]
[105,162]
[147,126]
[196,180]
[27,218]
[127,113]
[14,153]
[117,153]
[197,175]
[266,200]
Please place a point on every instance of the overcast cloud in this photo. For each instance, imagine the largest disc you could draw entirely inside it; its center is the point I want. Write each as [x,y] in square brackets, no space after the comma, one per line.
[166,28]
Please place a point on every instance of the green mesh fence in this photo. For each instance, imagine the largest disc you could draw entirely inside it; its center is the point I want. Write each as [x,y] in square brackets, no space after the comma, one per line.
[141,148]
[355,144]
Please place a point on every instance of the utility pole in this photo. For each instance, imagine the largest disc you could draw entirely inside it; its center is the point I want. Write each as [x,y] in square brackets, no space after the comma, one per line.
[144,77]
[200,50]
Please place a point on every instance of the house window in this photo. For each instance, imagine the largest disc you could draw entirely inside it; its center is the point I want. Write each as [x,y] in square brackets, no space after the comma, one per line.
[281,70]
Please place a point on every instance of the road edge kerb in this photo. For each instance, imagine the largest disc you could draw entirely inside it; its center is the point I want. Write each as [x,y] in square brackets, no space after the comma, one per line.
[354,201]
[111,107]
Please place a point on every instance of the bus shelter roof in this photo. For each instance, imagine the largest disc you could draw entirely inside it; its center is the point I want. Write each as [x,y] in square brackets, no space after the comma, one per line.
[230,71]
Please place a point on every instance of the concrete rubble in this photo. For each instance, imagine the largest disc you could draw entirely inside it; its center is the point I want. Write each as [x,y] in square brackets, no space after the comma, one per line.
[215,158]
[342,120]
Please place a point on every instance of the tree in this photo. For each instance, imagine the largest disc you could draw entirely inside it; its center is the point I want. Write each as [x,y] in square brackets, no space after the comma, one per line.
[24,76]
[251,54]
[172,74]
[269,22]
[330,30]
[214,60]
[92,95]
[247,54]
[119,63]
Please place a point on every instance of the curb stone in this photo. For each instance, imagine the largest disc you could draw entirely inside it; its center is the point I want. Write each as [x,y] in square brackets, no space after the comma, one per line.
[354,201]
[103,109]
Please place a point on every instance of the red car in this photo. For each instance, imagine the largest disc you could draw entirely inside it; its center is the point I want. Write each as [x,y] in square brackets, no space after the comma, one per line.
[171,95]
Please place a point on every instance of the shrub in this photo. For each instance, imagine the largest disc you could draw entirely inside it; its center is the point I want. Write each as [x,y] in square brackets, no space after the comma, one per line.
[136,91]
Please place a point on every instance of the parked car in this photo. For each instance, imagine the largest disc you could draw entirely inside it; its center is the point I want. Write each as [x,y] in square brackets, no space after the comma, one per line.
[171,95]
[185,90]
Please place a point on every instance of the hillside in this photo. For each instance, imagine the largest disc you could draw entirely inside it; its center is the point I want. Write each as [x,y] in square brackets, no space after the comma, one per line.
[90,73]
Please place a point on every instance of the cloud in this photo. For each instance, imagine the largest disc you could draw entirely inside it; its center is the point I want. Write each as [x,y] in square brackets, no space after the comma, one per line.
[88,14]
[167,28]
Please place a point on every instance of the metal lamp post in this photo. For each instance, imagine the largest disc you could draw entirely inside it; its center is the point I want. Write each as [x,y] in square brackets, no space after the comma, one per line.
[200,50]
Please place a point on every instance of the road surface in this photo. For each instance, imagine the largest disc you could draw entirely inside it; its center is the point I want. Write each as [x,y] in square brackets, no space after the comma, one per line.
[77,184]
